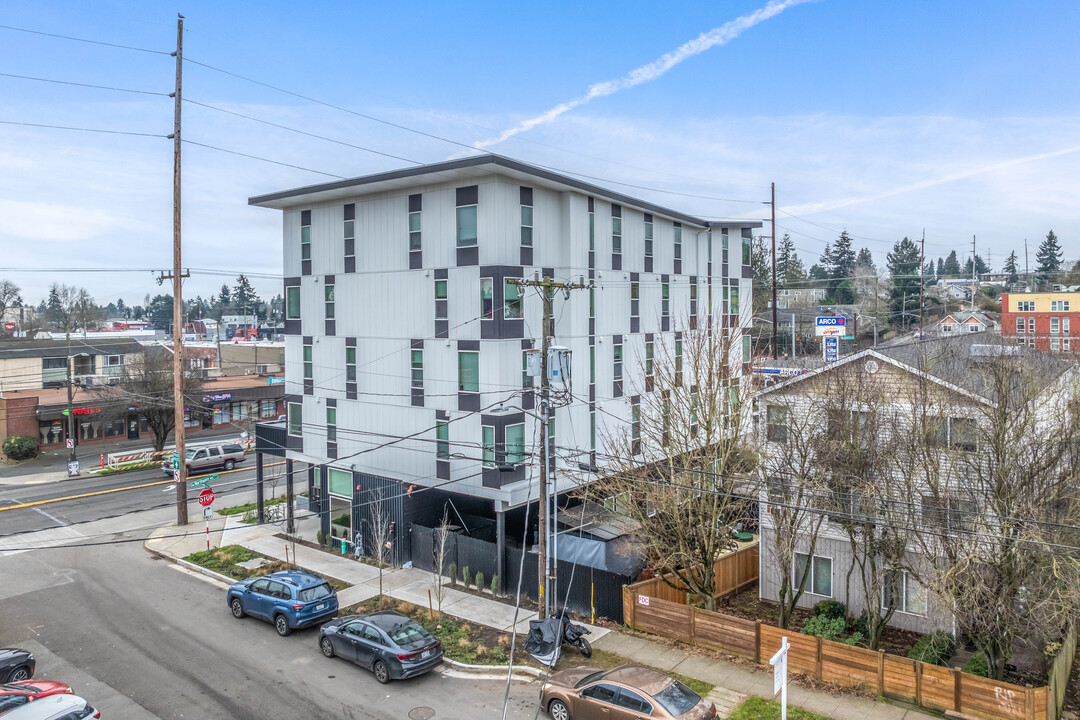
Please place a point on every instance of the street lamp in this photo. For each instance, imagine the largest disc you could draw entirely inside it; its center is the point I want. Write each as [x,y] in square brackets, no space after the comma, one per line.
[73,463]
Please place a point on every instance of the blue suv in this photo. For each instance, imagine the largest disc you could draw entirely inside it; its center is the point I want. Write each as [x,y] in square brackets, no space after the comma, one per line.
[290,599]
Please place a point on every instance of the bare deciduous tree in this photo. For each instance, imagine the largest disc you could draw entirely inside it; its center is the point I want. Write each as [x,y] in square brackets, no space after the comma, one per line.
[440,536]
[381,535]
[681,470]
[147,383]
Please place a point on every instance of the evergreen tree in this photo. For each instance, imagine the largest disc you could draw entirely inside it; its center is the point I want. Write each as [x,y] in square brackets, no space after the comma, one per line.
[243,294]
[940,269]
[903,263]
[761,261]
[840,263]
[1048,258]
[951,267]
[1073,278]
[789,268]
[121,308]
[928,273]
[1010,269]
[224,297]
[865,260]
[981,268]
[819,275]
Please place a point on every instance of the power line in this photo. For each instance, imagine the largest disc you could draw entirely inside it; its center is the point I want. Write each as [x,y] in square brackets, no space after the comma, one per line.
[84,40]
[85,85]
[82,129]
[256,157]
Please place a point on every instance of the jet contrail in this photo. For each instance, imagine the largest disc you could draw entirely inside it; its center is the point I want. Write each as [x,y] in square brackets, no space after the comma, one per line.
[810,208]
[717,36]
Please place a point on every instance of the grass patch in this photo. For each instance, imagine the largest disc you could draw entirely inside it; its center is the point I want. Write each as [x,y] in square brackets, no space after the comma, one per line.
[225,558]
[249,507]
[755,708]
[701,687]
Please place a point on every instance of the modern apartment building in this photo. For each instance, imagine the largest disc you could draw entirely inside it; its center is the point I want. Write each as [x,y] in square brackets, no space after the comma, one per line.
[1041,320]
[406,337]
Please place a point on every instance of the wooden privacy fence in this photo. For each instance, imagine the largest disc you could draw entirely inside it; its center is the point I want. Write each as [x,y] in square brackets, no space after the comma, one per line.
[732,571]
[931,686]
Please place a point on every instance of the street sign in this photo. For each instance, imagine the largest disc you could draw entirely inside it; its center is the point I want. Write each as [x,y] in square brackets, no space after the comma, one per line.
[831,348]
[275,381]
[176,475]
[176,460]
[70,443]
[206,497]
[207,513]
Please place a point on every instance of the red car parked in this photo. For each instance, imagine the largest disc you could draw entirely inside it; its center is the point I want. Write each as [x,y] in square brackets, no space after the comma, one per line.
[17,694]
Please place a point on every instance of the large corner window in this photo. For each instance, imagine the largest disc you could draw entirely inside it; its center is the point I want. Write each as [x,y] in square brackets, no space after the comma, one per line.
[511,300]
[466,226]
[296,419]
[515,444]
[292,302]
[468,371]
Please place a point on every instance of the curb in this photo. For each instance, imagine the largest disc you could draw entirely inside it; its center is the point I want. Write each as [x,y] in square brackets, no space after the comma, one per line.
[190,566]
[531,671]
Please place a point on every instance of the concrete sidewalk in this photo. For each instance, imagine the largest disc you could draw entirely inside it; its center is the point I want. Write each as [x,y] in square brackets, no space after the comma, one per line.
[733,682]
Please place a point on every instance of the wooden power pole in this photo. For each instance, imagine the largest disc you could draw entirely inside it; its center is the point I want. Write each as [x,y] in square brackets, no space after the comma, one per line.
[772,202]
[180,472]
[548,560]
[922,277]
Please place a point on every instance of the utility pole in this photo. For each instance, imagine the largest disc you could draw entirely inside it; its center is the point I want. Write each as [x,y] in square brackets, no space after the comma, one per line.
[1027,276]
[180,473]
[772,202]
[922,282]
[546,570]
[70,409]
[974,283]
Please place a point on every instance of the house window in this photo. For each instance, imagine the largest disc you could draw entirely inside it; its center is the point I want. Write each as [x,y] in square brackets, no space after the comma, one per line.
[616,235]
[693,299]
[487,299]
[733,300]
[1059,306]
[820,568]
[305,241]
[442,440]
[350,230]
[619,504]
[296,419]
[616,365]
[417,364]
[665,300]
[1025,306]
[53,363]
[635,300]
[309,365]
[488,442]
[905,592]
[466,226]
[776,423]
[526,225]
[515,444]
[328,296]
[511,300]
[963,434]
[292,302]
[114,360]
[649,359]
[1055,326]
[746,250]
[948,512]
[648,236]
[268,409]
[678,242]
[947,327]
[468,371]
[440,299]
[331,424]
[350,364]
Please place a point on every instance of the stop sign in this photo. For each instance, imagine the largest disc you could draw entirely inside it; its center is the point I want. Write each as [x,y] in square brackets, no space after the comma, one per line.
[9,326]
[206,497]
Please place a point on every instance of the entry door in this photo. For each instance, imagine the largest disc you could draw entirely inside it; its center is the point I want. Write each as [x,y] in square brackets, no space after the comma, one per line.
[133,427]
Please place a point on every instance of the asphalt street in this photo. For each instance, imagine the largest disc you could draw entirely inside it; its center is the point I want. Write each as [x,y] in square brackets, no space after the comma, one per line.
[142,638]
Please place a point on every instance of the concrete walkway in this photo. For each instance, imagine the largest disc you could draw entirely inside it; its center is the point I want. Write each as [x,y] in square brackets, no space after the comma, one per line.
[733,682]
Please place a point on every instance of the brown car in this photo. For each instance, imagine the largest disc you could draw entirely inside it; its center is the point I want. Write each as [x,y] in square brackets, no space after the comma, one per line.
[625,693]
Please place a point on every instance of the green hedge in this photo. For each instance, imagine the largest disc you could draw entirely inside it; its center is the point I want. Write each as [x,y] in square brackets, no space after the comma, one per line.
[20,447]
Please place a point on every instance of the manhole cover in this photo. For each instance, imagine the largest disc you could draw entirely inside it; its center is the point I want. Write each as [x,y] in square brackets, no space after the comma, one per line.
[421,713]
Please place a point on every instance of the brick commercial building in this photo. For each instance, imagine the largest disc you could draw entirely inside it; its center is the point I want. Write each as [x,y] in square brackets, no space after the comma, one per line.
[1043,321]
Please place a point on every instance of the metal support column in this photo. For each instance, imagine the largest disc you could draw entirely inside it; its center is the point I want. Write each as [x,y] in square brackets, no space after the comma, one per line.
[500,547]
[324,502]
[260,496]
[290,521]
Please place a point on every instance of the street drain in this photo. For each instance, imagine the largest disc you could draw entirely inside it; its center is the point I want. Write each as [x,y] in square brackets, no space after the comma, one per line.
[421,713]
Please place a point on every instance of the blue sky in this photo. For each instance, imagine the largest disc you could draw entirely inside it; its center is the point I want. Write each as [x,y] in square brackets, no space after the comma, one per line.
[879,117]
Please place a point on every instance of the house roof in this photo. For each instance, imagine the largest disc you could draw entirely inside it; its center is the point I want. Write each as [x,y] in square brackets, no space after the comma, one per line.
[466,170]
[964,316]
[15,349]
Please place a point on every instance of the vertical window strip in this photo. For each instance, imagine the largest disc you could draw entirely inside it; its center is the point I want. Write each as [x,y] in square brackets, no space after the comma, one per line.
[488,442]
[350,364]
[309,364]
[349,230]
[648,236]
[328,297]
[331,424]
[678,242]
[417,367]
[487,299]
[442,440]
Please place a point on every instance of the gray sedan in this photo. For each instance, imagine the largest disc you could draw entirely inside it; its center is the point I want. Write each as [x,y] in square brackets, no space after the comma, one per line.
[389,644]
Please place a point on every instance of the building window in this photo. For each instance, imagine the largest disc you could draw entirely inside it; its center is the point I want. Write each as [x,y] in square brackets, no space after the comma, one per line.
[649,359]
[678,362]
[114,360]
[488,438]
[635,300]
[733,300]
[820,568]
[442,440]
[746,250]
[331,424]
[487,299]
[963,434]
[1055,344]
[665,300]
[724,248]
[1020,324]
[1031,327]
[592,430]
[616,235]
[693,299]
[526,225]
[592,231]
[905,592]
[616,365]
[635,427]
[592,302]
[592,363]
[648,236]
[328,296]
[417,363]
[268,408]
[468,371]
[1059,306]
[776,424]
[1055,326]
[515,444]
[53,363]
[947,512]
[415,225]
[511,300]
[292,302]
[1025,306]
[466,226]
[305,241]
[746,354]
[296,419]
[678,242]
[350,364]
[309,364]
[440,299]
[526,378]
[350,230]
